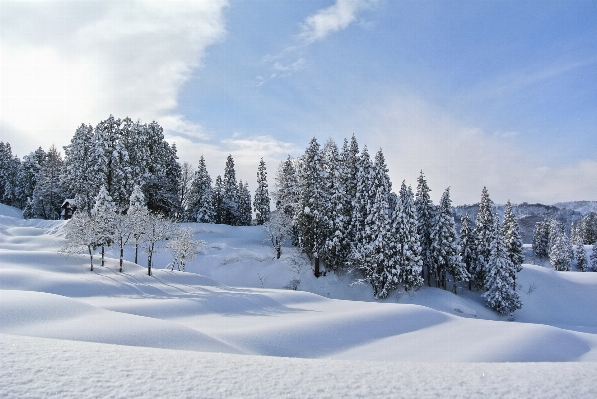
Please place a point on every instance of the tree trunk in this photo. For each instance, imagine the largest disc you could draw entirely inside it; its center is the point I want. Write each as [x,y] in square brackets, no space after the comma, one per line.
[102,255]
[136,249]
[90,256]
[316,266]
[121,256]
[149,264]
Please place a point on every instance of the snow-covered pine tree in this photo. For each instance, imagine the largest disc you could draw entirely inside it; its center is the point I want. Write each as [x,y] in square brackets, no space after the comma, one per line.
[48,194]
[378,265]
[582,264]
[484,230]
[500,295]
[541,239]
[261,202]
[310,218]
[245,212]
[201,204]
[336,247]
[77,177]
[217,201]
[286,195]
[445,250]
[404,243]
[559,253]
[512,239]
[360,207]
[137,214]
[588,228]
[230,212]
[104,215]
[425,219]
[9,171]
[109,161]
[81,235]
[594,257]
[468,246]
[184,191]
[184,248]
[28,176]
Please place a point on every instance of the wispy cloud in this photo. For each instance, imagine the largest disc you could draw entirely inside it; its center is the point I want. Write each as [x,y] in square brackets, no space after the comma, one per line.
[331,19]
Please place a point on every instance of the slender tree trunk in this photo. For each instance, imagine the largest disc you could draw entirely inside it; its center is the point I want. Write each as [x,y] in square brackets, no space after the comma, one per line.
[136,248]
[149,264]
[90,256]
[102,255]
[121,255]
[316,266]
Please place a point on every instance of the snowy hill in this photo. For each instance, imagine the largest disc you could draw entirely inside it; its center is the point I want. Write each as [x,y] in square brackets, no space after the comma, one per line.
[229,313]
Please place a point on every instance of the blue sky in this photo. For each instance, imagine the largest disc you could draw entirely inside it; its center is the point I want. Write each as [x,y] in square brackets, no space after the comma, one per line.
[474,93]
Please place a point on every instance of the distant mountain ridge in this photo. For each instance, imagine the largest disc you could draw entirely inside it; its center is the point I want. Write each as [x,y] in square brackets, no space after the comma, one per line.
[529,214]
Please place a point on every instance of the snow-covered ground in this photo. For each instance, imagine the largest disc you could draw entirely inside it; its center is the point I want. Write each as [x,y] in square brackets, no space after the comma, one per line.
[227,327]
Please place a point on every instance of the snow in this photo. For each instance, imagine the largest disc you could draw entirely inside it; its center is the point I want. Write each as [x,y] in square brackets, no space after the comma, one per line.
[226,327]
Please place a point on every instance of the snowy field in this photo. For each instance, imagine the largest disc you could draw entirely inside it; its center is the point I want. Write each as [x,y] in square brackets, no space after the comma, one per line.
[227,327]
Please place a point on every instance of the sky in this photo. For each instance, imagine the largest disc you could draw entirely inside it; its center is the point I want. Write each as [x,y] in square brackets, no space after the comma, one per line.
[501,94]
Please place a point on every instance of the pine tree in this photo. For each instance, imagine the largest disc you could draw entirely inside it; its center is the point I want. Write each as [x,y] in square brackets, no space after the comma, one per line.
[9,171]
[425,219]
[261,202]
[588,228]
[404,243]
[594,257]
[500,294]
[445,250]
[104,214]
[244,211]
[485,232]
[512,239]
[541,239]
[559,253]
[48,195]
[468,247]
[286,195]
[360,209]
[201,206]
[230,212]
[217,201]
[28,175]
[137,214]
[376,261]
[582,263]
[78,177]
[310,218]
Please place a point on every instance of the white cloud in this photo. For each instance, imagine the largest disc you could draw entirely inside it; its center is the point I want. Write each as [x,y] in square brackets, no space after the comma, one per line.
[331,19]
[74,62]
[417,136]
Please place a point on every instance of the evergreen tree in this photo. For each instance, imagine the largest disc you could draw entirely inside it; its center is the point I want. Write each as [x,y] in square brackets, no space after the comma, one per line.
[425,220]
[541,239]
[201,206]
[104,214]
[28,175]
[559,253]
[404,243]
[245,213]
[582,264]
[48,195]
[78,176]
[468,247]
[360,209]
[512,239]
[261,202]
[287,194]
[588,228]
[445,251]
[485,232]
[310,218]
[376,261]
[9,171]
[500,294]
[230,212]
[217,201]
